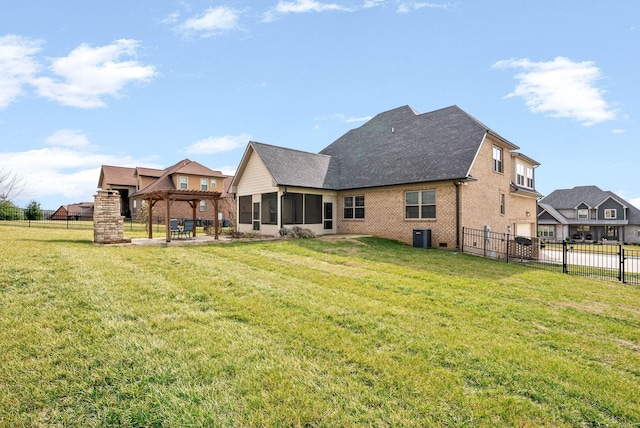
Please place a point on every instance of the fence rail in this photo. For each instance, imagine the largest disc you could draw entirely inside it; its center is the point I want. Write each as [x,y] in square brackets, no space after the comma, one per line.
[599,260]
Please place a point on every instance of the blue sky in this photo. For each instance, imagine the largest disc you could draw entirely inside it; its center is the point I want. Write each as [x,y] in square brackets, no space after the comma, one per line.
[148,83]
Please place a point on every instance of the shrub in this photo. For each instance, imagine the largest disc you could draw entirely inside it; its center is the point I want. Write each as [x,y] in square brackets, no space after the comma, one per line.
[33,211]
[296,232]
[8,211]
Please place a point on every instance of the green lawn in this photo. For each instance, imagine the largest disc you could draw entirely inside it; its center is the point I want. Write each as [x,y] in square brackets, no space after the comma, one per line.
[305,333]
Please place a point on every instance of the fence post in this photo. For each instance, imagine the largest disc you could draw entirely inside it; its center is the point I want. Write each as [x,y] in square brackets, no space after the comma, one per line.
[564,257]
[462,243]
[508,239]
[621,268]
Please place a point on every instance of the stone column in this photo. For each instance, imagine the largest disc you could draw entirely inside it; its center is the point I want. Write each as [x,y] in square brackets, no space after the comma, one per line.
[108,224]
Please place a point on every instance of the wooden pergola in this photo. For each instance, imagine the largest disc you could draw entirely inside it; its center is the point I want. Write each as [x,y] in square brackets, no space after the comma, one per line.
[193,197]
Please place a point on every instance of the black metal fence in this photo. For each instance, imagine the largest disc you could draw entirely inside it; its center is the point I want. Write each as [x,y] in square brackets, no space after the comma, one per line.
[599,260]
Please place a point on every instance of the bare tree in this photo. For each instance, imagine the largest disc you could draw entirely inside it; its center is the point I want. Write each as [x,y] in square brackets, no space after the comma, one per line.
[11,185]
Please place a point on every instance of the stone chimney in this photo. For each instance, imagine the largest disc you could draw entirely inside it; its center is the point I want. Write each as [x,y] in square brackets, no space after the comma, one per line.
[108,224]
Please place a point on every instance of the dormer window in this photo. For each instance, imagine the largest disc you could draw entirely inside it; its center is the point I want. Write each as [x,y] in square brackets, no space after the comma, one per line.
[184,183]
[583,214]
[610,214]
[524,175]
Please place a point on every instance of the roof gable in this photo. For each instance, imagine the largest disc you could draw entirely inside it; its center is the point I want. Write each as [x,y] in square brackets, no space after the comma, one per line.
[290,167]
[116,176]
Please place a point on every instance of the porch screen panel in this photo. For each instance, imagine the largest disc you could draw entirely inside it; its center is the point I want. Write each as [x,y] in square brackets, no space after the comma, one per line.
[312,209]
[245,208]
[270,208]
[292,212]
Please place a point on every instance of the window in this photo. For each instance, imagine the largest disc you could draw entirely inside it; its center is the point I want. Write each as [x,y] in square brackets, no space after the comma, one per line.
[520,174]
[203,205]
[497,159]
[328,216]
[353,207]
[312,209]
[420,204]
[610,213]
[135,207]
[503,207]
[213,183]
[530,178]
[583,214]
[203,184]
[184,183]
[270,208]
[244,206]
[638,231]
[546,231]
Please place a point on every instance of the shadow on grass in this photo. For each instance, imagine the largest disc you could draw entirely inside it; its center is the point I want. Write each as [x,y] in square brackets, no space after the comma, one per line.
[61,241]
[386,251]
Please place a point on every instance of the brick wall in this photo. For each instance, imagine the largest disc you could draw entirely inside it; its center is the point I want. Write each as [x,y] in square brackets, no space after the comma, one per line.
[385,212]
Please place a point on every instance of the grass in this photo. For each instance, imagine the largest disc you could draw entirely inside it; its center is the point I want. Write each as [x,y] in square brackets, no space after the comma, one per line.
[305,333]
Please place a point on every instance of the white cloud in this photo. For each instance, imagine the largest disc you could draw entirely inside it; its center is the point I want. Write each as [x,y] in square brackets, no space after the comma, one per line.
[213,21]
[372,3]
[405,7]
[635,202]
[212,145]
[66,170]
[301,6]
[561,88]
[17,66]
[89,74]
[68,138]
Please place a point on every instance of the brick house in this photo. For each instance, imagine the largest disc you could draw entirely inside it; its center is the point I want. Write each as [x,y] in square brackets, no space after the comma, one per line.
[79,211]
[401,171]
[587,213]
[132,183]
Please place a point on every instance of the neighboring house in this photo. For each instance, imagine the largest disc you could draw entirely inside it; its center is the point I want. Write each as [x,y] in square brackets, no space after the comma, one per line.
[587,213]
[79,211]
[134,183]
[399,172]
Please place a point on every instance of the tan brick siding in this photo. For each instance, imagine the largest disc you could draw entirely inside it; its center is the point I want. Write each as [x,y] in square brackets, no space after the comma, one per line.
[385,214]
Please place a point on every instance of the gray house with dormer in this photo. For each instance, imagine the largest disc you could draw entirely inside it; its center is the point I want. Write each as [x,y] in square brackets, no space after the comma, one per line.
[587,213]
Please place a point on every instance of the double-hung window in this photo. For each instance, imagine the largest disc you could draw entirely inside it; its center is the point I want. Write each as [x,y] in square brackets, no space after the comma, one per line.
[354,207]
[184,182]
[519,174]
[497,159]
[420,204]
[530,177]
[204,184]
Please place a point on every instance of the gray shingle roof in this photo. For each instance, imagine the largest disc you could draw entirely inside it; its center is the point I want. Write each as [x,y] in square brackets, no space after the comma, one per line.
[290,167]
[398,146]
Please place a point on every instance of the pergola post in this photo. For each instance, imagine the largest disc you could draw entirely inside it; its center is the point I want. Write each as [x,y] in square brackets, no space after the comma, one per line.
[215,217]
[167,221]
[194,204]
[150,203]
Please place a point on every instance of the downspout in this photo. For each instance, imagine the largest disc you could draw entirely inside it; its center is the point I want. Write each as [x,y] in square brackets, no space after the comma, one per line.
[282,207]
[457,184]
